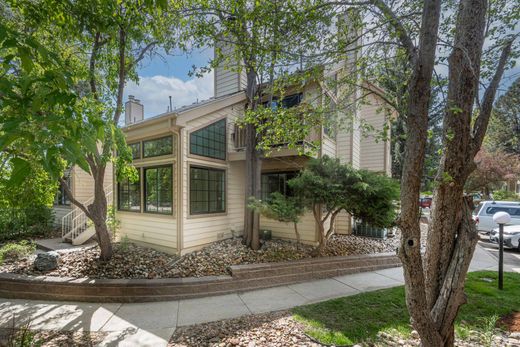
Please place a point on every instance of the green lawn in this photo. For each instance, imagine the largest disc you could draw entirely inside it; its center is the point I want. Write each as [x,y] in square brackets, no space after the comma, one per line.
[359,318]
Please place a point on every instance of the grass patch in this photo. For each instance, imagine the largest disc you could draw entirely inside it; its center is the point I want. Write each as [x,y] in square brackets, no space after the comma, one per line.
[14,251]
[359,318]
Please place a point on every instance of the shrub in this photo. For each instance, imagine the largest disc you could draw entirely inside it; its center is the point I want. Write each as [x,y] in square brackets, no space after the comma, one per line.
[501,195]
[280,208]
[327,187]
[16,223]
[13,251]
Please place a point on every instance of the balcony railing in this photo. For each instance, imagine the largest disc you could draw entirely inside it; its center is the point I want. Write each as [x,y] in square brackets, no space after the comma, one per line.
[239,138]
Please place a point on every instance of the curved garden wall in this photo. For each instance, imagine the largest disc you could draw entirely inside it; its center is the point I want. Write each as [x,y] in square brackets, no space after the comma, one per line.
[243,278]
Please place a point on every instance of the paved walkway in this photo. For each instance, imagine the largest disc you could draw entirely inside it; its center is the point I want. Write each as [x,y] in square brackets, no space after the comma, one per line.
[57,244]
[152,324]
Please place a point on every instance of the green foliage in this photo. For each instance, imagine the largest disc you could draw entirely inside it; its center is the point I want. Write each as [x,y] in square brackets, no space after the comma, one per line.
[503,133]
[266,40]
[15,251]
[18,223]
[365,195]
[503,195]
[124,244]
[26,208]
[113,223]
[359,318]
[22,335]
[279,207]
[289,126]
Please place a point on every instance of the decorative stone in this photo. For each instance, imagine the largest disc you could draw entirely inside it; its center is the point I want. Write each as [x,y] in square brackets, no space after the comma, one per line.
[46,261]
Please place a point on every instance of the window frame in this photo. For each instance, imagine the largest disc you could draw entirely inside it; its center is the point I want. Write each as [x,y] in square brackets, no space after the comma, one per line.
[143,142]
[144,185]
[225,202]
[208,157]
[119,209]
[278,173]
[140,150]
[64,201]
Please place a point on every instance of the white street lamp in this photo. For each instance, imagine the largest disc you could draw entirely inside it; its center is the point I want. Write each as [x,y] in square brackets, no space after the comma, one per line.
[501,218]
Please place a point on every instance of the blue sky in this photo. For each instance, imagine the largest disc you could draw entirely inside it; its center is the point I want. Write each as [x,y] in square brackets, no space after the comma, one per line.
[164,75]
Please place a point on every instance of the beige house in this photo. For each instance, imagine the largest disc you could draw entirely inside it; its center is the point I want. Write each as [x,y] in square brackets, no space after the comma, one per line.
[191,165]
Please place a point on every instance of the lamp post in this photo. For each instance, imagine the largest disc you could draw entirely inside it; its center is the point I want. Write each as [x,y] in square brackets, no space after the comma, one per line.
[501,218]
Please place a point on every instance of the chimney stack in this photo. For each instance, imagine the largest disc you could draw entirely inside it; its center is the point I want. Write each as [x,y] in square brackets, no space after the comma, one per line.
[134,110]
[229,79]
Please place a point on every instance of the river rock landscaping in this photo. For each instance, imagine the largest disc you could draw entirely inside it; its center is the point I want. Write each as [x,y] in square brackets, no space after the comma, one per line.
[133,261]
[281,329]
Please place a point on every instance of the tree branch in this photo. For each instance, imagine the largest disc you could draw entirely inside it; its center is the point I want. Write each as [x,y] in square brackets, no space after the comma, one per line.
[399,28]
[122,75]
[69,194]
[92,68]
[481,124]
[142,54]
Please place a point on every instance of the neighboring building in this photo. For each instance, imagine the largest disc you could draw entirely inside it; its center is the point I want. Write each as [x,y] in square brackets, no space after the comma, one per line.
[191,164]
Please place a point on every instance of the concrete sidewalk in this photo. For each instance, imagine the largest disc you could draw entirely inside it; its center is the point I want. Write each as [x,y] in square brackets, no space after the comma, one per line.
[152,324]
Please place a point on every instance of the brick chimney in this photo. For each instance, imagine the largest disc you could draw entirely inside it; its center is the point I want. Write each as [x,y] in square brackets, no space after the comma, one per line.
[134,110]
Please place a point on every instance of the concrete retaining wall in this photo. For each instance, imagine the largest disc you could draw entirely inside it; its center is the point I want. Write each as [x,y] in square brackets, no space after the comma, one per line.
[243,278]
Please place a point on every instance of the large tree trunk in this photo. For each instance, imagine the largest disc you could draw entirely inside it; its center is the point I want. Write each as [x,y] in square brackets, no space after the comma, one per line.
[452,235]
[415,148]
[98,213]
[435,288]
[253,171]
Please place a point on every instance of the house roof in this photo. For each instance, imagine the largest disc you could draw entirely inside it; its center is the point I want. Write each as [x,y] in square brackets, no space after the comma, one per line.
[185,109]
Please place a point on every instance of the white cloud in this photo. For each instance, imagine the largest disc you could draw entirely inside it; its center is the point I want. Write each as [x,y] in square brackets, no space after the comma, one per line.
[154,92]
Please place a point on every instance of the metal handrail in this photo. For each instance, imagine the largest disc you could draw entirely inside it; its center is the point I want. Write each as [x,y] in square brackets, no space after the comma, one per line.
[75,222]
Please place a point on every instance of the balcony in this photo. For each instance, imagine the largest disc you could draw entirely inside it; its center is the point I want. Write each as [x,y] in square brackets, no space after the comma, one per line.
[239,144]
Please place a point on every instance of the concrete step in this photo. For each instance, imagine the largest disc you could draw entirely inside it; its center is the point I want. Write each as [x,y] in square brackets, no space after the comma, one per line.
[84,236]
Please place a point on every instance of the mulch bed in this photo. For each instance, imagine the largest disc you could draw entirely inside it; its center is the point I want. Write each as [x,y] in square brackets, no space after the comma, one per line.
[510,322]
[132,261]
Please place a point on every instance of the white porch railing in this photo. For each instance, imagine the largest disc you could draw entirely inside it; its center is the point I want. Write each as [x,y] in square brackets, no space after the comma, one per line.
[76,222]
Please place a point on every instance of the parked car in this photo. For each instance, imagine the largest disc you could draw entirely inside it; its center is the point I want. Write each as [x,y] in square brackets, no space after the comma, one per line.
[483,214]
[425,202]
[477,198]
[511,236]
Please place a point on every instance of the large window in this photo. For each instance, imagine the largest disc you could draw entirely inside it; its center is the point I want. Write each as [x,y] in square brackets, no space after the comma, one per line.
[157,147]
[277,182]
[210,141]
[207,190]
[129,196]
[158,189]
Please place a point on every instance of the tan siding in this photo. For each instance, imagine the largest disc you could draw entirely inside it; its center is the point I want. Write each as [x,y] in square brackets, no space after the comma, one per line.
[306,228]
[148,228]
[328,147]
[374,151]
[226,80]
[83,183]
[200,229]
[59,213]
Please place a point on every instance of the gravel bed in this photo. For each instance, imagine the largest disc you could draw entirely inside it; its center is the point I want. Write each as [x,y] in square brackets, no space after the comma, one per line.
[132,261]
[280,329]
[270,329]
